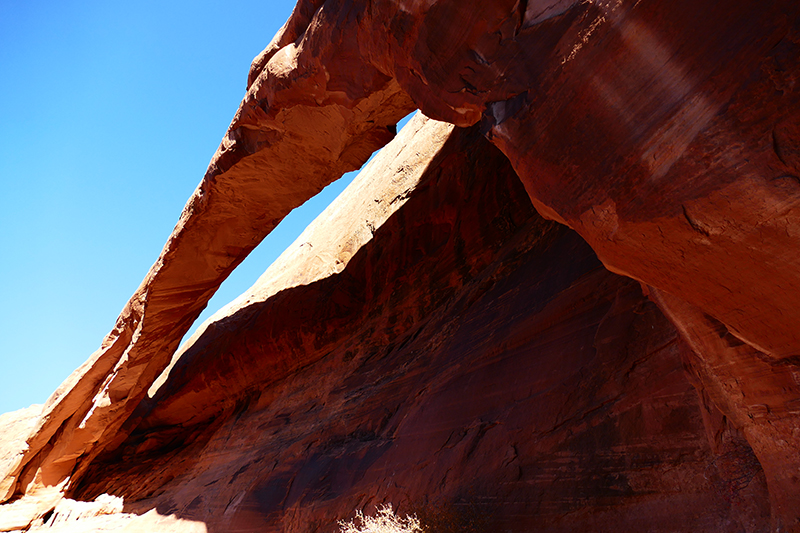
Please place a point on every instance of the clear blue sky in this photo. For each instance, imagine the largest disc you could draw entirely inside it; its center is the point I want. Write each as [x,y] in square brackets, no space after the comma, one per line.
[109,115]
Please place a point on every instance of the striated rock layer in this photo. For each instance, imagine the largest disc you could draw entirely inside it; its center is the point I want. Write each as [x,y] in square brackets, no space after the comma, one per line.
[664,133]
[469,355]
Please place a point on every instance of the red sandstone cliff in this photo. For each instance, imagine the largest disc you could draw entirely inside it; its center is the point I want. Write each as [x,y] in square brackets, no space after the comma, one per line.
[464,350]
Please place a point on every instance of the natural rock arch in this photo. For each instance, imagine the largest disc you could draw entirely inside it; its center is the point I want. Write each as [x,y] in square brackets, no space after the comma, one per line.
[663,133]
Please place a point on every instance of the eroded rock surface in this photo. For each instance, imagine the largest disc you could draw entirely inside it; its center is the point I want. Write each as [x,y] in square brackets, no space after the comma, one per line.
[15,428]
[664,133]
[468,353]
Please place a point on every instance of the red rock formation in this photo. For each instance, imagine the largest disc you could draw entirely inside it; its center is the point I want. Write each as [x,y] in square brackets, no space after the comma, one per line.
[664,133]
[469,351]
[292,135]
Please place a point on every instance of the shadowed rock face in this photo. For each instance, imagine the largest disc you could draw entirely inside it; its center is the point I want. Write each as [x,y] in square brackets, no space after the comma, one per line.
[469,353]
[664,133]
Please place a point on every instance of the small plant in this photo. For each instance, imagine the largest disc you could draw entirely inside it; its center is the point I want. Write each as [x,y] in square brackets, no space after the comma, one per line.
[384,522]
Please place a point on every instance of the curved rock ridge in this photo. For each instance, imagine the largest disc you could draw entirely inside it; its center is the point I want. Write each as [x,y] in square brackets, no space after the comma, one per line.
[325,247]
[468,355]
[664,133]
[283,146]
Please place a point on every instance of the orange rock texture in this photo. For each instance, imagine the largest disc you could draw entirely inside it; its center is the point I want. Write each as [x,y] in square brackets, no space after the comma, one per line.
[631,361]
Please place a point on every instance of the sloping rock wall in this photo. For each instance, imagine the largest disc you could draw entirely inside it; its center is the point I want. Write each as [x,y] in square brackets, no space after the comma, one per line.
[664,133]
[470,356]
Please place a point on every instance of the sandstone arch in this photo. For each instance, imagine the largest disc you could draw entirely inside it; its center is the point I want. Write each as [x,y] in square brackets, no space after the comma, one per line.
[663,133]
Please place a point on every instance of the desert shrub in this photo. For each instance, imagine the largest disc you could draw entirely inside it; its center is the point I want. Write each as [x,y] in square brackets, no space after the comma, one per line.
[384,522]
[462,517]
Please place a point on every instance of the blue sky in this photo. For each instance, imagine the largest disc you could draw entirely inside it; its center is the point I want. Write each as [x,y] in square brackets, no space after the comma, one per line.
[109,115]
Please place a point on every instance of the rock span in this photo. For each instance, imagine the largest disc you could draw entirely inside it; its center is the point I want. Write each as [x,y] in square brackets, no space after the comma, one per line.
[664,133]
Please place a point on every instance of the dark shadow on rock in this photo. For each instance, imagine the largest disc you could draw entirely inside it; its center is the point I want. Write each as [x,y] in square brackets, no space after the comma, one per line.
[470,347]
